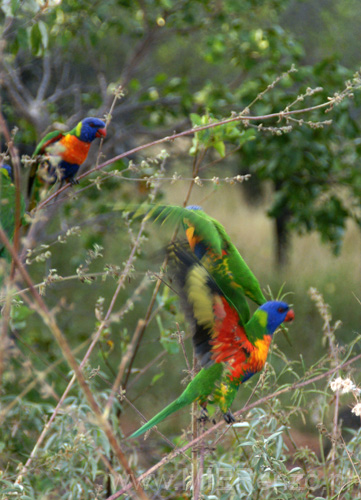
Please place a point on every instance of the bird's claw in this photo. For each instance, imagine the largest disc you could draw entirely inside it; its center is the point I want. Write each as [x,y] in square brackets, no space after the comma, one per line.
[204,415]
[228,417]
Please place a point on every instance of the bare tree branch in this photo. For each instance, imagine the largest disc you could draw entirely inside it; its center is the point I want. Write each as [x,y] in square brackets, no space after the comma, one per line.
[139,53]
[44,84]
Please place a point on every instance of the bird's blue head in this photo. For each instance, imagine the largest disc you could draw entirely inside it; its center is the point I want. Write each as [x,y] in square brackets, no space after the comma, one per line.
[194,207]
[277,313]
[9,171]
[90,128]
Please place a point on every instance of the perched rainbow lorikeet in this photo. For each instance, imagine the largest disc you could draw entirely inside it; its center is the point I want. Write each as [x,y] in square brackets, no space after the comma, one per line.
[60,155]
[211,244]
[230,351]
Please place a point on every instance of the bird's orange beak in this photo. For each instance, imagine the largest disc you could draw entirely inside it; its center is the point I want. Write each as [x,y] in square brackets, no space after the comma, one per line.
[290,316]
[101,132]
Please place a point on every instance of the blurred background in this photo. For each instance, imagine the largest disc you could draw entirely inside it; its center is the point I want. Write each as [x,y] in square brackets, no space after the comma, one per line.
[156,67]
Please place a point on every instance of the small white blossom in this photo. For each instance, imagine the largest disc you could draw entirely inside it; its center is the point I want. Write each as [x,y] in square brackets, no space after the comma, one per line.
[336,384]
[357,410]
[348,386]
[198,181]
[343,385]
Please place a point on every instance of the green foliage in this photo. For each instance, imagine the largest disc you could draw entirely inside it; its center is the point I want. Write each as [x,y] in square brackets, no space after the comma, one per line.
[312,168]
[216,137]
[70,462]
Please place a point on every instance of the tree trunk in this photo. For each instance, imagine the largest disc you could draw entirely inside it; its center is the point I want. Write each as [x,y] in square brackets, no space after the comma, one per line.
[282,236]
[282,242]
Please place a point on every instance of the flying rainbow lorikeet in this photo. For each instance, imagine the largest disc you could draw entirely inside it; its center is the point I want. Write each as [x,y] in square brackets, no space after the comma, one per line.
[211,244]
[229,350]
[60,154]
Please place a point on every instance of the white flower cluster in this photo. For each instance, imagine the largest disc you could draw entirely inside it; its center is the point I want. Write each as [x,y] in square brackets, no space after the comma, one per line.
[357,410]
[344,386]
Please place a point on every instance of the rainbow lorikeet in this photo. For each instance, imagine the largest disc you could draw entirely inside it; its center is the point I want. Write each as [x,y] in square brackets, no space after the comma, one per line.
[211,244]
[230,351]
[60,154]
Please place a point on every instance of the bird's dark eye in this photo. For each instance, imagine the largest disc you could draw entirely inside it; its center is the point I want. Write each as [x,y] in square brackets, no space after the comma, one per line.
[281,310]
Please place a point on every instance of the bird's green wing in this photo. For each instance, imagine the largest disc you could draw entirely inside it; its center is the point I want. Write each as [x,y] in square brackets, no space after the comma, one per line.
[210,242]
[40,149]
[50,138]
[233,273]
[203,226]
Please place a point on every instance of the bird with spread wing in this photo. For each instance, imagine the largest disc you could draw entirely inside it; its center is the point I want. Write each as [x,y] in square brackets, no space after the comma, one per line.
[211,244]
[229,349]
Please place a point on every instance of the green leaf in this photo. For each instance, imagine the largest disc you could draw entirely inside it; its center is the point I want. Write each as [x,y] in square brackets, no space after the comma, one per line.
[195,146]
[167,4]
[196,120]
[247,135]
[160,78]
[156,378]
[233,133]
[35,39]
[170,345]
[241,424]
[220,148]
[44,34]
[246,480]
[38,38]
[134,84]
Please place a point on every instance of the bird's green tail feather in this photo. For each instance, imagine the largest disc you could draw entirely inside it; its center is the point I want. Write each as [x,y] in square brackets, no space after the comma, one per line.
[168,410]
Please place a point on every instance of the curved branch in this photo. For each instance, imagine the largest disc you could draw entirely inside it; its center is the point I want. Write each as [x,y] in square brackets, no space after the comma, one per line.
[44,84]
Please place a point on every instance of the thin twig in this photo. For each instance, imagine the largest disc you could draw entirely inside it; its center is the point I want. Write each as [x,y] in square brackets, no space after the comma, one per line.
[194,408]
[122,397]
[146,368]
[123,363]
[198,482]
[181,341]
[67,390]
